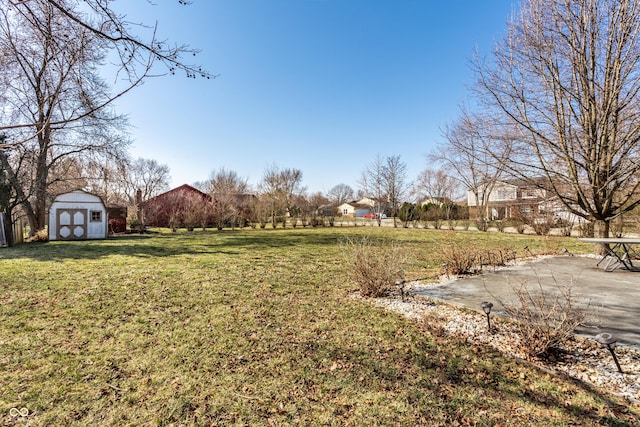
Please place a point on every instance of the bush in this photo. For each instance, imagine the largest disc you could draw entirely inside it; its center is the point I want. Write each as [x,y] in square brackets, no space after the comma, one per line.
[40,236]
[458,260]
[497,258]
[544,318]
[375,265]
[541,227]
[565,227]
[482,225]
[585,229]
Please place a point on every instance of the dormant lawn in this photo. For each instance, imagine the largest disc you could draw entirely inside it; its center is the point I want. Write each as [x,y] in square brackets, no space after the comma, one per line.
[254,327]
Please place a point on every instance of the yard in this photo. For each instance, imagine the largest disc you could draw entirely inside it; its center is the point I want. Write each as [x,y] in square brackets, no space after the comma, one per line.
[254,327]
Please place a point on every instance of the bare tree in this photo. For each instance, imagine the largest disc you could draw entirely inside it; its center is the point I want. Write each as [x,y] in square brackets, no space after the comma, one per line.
[372,185]
[474,158]
[340,194]
[50,76]
[7,203]
[436,184]
[224,181]
[384,181]
[229,193]
[439,186]
[195,211]
[395,177]
[317,205]
[136,47]
[107,179]
[278,188]
[146,175]
[565,81]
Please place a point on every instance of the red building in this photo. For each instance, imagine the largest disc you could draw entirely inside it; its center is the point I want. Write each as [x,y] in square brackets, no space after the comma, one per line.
[183,206]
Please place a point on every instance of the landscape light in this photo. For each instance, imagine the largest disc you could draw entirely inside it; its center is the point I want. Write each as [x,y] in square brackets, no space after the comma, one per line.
[400,284]
[609,340]
[486,307]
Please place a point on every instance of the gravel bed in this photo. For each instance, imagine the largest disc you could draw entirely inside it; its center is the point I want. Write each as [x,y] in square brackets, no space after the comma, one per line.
[582,358]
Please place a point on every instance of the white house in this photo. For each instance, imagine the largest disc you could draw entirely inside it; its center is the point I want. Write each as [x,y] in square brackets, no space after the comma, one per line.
[356,208]
[78,215]
[506,198]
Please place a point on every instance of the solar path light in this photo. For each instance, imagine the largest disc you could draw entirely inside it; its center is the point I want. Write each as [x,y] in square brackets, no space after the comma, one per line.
[486,307]
[400,283]
[609,340]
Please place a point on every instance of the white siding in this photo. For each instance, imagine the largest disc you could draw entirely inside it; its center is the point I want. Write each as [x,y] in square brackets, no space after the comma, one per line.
[501,192]
[80,211]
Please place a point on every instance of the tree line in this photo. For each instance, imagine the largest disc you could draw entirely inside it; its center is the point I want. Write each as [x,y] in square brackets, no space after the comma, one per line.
[555,104]
[280,199]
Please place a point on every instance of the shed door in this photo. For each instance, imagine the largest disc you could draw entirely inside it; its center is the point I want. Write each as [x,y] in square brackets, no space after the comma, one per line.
[72,224]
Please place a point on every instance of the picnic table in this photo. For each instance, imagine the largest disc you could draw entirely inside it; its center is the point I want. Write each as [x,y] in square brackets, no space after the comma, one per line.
[619,252]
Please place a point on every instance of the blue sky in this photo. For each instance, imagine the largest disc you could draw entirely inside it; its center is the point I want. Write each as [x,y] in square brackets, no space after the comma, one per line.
[323,86]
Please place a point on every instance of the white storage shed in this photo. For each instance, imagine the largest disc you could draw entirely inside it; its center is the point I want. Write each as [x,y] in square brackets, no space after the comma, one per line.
[78,215]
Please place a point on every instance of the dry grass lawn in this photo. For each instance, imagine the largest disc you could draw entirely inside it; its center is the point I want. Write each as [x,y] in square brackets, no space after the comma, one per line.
[254,327]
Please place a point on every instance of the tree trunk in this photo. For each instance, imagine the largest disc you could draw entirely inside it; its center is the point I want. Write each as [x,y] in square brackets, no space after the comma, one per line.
[600,230]
[8,227]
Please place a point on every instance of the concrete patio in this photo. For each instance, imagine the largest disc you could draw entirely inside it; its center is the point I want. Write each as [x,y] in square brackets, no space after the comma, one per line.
[613,297]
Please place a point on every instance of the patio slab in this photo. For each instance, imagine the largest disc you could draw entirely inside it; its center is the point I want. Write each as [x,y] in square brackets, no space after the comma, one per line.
[614,297]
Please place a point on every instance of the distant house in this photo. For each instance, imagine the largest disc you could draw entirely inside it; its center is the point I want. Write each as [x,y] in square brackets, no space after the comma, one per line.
[172,208]
[512,198]
[359,208]
[354,209]
[78,215]
[437,201]
[367,201]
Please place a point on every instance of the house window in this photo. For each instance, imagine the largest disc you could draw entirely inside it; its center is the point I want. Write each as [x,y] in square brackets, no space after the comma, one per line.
[345,211]
[96,216]
[503,194]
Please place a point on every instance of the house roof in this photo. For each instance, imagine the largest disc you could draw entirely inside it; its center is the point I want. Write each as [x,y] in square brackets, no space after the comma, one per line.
[75,196]
[356,205]
[520,182]
[184,188]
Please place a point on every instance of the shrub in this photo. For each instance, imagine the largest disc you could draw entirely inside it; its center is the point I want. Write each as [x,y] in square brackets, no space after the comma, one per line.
[565,227]
[542,227]
[497,258]
[544,317]
[459,259]
[585,229]
[40,236]
[375,265]
[616,228]
[482,225]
